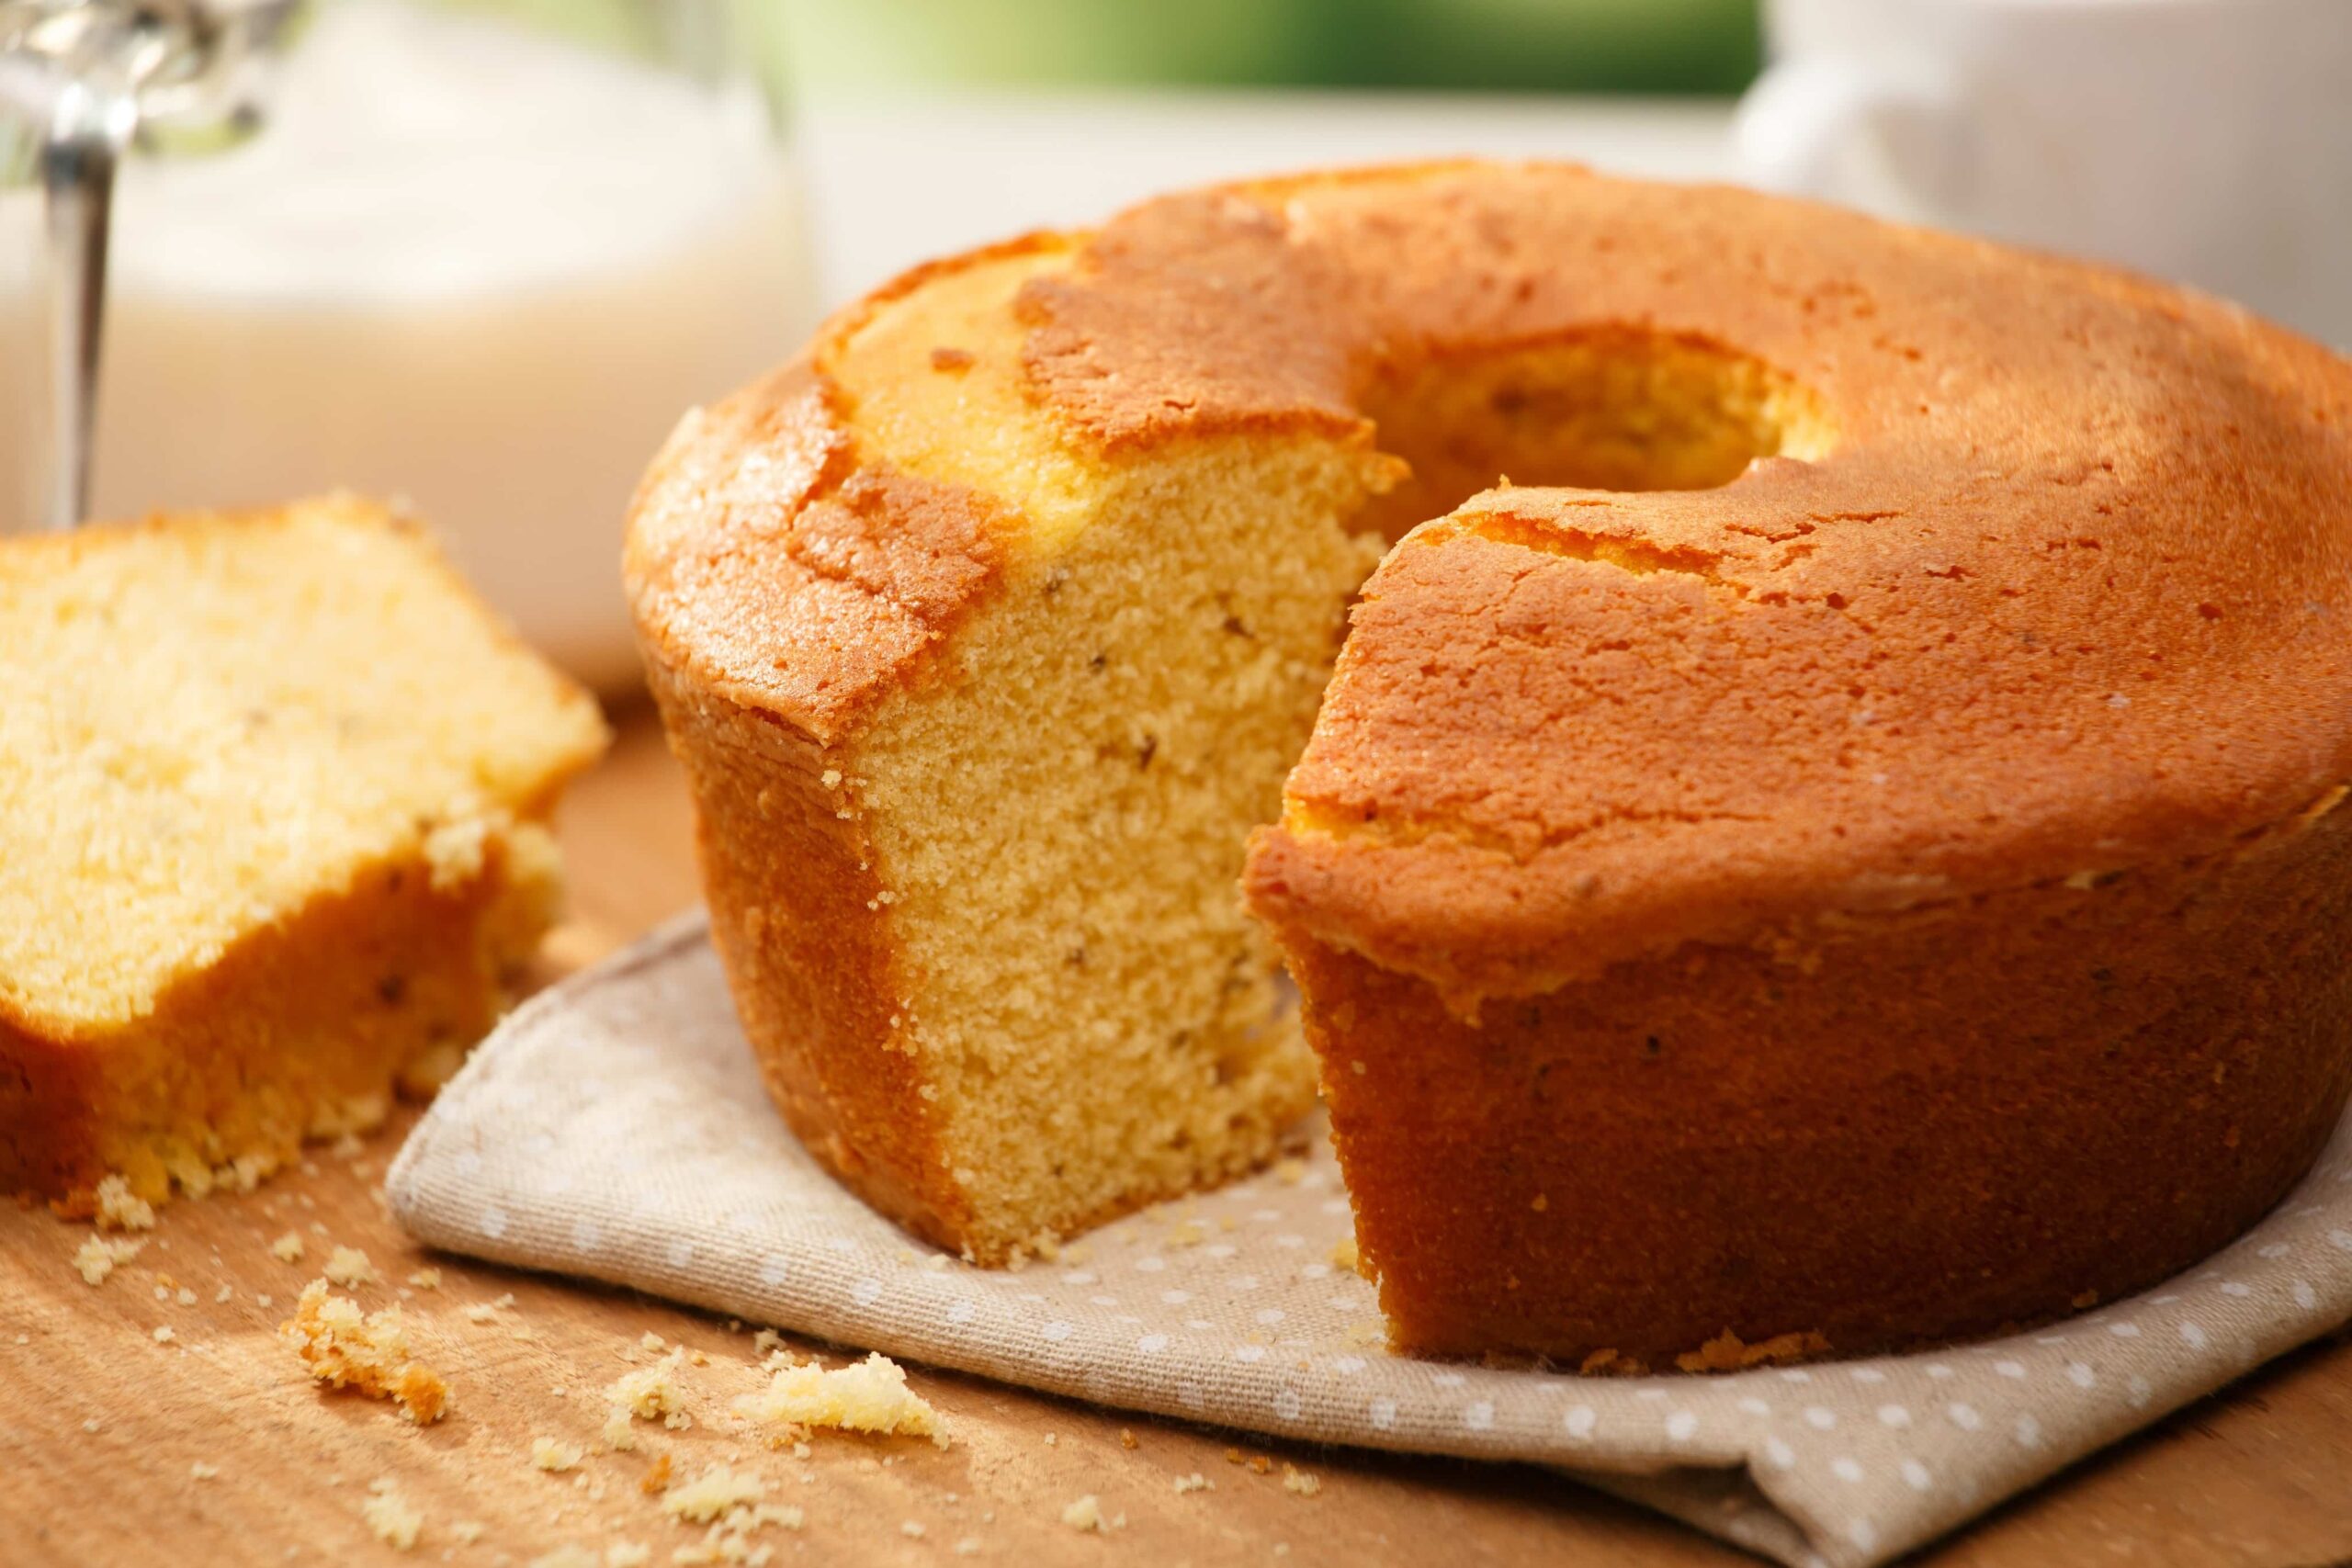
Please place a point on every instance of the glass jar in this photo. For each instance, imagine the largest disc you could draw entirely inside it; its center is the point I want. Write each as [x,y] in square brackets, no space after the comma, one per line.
[478,257]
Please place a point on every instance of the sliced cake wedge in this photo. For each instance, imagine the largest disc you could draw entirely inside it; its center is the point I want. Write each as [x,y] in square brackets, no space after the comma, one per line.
[274,791]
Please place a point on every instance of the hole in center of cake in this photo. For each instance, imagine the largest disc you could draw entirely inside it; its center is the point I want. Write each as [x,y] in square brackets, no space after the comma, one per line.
[1616,408]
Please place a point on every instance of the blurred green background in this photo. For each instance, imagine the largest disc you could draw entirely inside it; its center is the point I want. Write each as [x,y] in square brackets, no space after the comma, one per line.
[1627,46]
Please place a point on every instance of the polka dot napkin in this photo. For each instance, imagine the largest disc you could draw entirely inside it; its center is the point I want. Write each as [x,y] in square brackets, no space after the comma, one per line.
[614,1128]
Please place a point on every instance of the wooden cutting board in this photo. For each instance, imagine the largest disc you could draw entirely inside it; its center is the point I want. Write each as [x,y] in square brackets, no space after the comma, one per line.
[214,1449]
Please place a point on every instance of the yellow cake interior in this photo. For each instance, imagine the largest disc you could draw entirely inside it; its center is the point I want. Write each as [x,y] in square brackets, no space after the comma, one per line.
[1059,818]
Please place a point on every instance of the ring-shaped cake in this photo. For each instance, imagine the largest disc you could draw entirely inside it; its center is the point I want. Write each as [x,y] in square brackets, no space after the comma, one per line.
[1825,833]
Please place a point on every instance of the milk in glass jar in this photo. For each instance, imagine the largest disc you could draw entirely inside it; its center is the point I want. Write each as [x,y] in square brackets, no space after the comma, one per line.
[475,258]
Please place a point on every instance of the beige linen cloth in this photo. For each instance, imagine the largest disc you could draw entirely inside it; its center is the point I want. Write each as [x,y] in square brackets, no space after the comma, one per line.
[616,1128]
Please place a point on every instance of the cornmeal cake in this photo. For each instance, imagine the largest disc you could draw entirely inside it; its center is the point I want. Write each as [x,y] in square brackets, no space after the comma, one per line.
[272,800]
[1826,832]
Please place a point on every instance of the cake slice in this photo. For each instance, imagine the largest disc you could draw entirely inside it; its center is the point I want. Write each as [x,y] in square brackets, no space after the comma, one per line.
[272,800]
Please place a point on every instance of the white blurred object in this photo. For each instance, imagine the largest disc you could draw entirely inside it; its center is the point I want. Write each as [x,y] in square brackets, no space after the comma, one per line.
[2204,140]
[463,264]
[900,178]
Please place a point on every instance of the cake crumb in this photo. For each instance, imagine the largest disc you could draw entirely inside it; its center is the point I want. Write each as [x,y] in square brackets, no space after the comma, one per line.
[968,1547]
[1343,1253]
[653,1341]
[1608,1362]
[1298,1481]
[656,1478]
[348,1267]
[121,1209]
[1195,1481]
[912,1529]
[162,1335]
[1290,1170]
[713,1493]
[392,1519]
[1086,1514]
[1128,1437]
[368,1354]
[224,1295]
[727,1539]
[644,1394]
[1728,1353]
[864,1397]
[482,1312]
[547,1454]
[99,1255]
[425,1278]
[200,1471]
[464,1532]
[289,1248]
[185,1297]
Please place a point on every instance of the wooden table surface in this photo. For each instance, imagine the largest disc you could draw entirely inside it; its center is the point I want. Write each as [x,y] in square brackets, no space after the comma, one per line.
[214,1447]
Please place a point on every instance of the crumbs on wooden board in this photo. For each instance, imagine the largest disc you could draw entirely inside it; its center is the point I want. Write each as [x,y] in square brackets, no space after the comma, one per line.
[1085,1515]
[645,1395]
[118,1208]
[366,1353]
[871,1395]
[349,1267]
[718,1488]
[392,1517]
[98,1256]
[550,1454]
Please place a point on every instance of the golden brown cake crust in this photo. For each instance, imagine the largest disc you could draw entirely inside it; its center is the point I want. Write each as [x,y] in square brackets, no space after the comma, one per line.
[303,1026]
[771,562]
[1905,1128]
[807,953]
